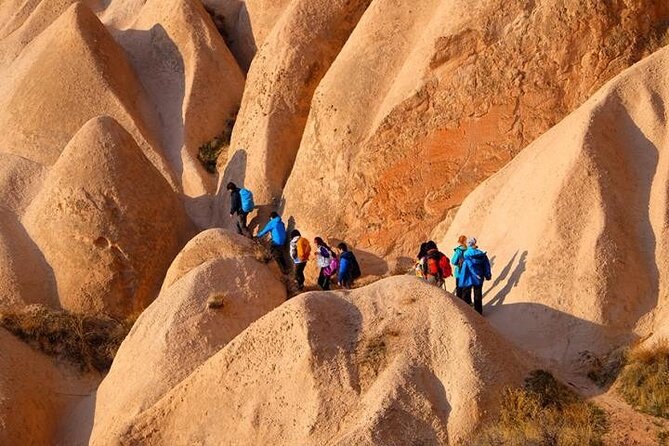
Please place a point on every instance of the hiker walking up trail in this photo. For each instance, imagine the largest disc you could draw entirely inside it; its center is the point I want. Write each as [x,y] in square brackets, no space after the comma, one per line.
[436,266]
[299,252]
[349,269]
[241,203]
[277,231]
[327,262]
[474,270]
[456,260]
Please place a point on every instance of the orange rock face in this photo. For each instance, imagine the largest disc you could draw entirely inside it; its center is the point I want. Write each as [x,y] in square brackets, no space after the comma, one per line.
[427,99]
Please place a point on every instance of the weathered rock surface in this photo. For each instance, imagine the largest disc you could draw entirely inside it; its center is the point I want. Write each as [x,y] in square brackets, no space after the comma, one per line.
[34,394]
[576,224]
[25,277]
[283,77]
[214,290]
[70,73]
[429,98]
[395,360]
[107,222]
[191,80]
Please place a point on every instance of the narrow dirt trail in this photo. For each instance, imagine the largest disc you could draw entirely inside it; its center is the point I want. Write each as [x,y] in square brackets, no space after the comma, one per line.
[627,427]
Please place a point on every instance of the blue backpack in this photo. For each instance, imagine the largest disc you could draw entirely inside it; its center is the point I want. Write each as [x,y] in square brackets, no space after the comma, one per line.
[247,200]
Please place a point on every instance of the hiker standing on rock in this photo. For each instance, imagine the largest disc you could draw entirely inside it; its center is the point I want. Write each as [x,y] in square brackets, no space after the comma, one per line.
[474,270]
[456,260]
[349,269]
[299,252]
[327,262]
[436,266]
[277,231]
[241,203]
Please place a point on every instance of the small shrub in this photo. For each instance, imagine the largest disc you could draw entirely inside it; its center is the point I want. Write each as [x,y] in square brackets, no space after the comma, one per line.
[209,152]
[644,380]
[604,370]
[90,342]
[544,412]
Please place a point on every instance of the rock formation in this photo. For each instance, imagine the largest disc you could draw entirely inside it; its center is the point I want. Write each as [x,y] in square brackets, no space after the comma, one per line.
[283,77]
[35,393]
[427,99]
[576,224]
[107,222]
[215,288]
[395,360]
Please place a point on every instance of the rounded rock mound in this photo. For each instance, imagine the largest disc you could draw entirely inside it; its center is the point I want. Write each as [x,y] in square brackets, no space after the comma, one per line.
[394,360]
[214,289]
[107,222]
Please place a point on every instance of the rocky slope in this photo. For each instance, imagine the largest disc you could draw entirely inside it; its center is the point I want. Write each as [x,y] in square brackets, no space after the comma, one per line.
[577,223]
[395,360]
[426,100]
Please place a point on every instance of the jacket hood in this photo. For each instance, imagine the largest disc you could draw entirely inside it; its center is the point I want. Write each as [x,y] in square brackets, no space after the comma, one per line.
[347,255]
[475,255]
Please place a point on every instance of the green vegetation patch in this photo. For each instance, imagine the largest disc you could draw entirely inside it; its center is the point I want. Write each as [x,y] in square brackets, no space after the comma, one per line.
[209,152]
[544,412]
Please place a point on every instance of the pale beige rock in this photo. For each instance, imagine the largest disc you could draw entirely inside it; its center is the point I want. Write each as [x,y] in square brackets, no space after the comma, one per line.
[25,277]
[27,24]
[34,394]
[20,180]
[283,76]
[209,245]
[576,224]
[395,360]
[247,24]
[191,79]
[107,222]
[70,73]
[179,331]
[429,98]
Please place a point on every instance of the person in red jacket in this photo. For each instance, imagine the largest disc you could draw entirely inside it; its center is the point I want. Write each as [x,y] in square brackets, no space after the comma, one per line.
[436,266]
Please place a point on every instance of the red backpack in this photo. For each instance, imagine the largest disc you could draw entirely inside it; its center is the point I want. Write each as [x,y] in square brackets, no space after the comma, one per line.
[437,265]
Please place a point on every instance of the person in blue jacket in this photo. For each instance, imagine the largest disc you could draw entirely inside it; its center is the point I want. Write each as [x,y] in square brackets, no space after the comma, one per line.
[277,231]
[349,269]
[474,270]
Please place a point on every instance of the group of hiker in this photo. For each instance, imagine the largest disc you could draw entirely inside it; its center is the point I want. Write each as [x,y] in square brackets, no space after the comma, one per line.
[471,267]
[340,263]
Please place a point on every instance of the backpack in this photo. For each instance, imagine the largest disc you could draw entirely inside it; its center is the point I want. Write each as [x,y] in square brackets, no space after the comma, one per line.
[247,200]
[436,265]
[445,266]
[332,267]
[324,256]
[355,268]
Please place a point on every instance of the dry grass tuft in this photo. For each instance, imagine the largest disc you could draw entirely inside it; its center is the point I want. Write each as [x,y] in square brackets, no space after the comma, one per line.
[544,412]
[90,342]
[644,380]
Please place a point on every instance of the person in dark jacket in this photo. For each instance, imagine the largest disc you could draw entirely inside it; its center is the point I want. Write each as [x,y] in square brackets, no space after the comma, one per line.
[474,270]
[348,267]
[277,231]
[236,209]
